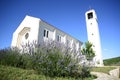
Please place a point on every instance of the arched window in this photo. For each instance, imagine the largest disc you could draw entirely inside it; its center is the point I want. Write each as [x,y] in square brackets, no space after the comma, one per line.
[26,35]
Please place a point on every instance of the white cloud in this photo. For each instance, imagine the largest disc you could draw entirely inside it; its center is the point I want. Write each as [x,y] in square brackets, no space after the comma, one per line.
[105,49]
[110,50]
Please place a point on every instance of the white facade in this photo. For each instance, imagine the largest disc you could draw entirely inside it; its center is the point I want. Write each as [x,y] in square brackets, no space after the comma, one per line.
[34,29]
[93,35]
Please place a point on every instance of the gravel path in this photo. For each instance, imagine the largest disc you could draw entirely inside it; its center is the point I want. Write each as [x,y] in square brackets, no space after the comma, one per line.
[103,76]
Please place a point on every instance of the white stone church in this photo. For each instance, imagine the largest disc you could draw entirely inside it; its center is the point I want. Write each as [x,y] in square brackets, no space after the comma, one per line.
[34,29]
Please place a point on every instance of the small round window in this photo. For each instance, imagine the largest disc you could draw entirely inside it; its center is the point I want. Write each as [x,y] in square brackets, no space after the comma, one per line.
[26,35]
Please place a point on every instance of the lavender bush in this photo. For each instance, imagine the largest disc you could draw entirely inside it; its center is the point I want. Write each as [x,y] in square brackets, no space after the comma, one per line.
[56,59]
[49,58]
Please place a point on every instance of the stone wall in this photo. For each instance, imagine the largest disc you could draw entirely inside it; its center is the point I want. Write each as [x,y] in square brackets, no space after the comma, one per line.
[115,72]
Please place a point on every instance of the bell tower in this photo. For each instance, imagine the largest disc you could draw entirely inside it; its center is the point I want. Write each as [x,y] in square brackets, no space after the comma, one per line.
[93,35]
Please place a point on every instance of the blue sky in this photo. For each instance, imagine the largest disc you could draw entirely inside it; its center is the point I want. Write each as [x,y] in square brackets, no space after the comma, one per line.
[67,15]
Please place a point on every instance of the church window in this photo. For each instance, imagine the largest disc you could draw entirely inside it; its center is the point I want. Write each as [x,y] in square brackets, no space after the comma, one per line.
[46,33]
[90,15]
[26,35]
[59,38]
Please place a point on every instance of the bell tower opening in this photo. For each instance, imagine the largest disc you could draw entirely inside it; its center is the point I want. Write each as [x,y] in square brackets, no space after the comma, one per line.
[90,15]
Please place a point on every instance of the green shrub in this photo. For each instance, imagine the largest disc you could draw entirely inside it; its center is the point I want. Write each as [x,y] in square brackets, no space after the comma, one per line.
[85,72]
[9,57]
[12,57]
[25,61]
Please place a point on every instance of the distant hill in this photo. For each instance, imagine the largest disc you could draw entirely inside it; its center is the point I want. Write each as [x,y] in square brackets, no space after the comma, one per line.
[112,61]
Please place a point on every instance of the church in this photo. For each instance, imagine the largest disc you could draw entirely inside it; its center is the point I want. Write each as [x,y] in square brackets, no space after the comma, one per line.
[35,29]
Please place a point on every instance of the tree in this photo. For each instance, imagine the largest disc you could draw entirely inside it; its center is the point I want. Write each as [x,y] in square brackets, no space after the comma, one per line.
[88,51]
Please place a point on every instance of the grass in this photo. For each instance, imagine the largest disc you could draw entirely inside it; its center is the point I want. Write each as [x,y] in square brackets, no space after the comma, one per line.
[12,73]
[103,69]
